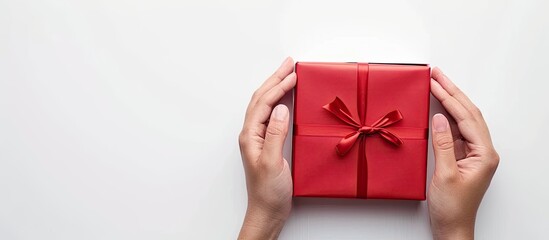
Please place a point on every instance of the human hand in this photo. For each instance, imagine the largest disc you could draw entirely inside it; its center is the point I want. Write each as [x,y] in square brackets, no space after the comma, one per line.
[268,175]
[465,161]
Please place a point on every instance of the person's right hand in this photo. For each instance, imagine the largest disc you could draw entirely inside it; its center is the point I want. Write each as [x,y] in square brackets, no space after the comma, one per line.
[465,161]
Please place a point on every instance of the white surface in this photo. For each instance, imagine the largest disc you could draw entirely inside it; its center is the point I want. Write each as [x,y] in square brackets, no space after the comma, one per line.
[119,119]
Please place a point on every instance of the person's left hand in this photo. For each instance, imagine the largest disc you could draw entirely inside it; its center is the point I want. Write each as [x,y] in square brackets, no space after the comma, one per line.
[268,175]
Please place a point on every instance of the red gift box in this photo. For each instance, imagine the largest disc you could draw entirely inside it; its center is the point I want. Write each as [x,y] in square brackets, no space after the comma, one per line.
[360,130]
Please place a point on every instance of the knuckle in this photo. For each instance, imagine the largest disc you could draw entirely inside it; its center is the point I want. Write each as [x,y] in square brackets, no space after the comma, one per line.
[279,90]
[256,94]
[467,115]
[451,177]
[265,164]
[276,129]
[493,166]
[493,162]
[444,143]
[271,96]
[241,140]
[243,137]
[262,100]
[496,156]
[476,111]
[275,77]
[447,177]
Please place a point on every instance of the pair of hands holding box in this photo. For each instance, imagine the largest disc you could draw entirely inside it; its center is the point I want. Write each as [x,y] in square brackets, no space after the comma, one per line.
[465,159]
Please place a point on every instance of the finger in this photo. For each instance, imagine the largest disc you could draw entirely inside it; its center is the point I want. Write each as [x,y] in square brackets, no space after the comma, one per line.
[468,126]
[261,111]
[443,146]
[282,72]
[454,91]
[251,141]
[274,137]
[460,96]
[458,111]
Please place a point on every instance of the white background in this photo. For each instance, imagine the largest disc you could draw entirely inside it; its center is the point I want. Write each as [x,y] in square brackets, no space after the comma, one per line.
[119,118]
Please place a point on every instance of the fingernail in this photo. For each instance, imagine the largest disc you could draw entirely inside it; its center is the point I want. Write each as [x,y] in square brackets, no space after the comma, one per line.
[440,123]
[280,112]
[442,73]
[291,77]
[284,62]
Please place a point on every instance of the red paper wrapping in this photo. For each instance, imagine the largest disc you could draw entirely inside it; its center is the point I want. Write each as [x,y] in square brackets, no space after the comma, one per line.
[360,130]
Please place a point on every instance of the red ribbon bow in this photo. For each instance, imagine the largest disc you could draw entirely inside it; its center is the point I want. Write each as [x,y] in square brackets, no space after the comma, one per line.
[338,108]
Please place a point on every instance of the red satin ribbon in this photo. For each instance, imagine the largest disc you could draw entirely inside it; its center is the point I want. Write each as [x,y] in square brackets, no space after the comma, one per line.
[352,131]
[340,110]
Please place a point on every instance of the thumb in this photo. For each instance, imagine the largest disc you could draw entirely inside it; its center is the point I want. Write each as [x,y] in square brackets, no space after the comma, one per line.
[275,135]
[443,146]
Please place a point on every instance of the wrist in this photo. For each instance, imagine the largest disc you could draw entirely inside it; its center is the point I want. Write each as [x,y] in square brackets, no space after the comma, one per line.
[455,232]
[260,223]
